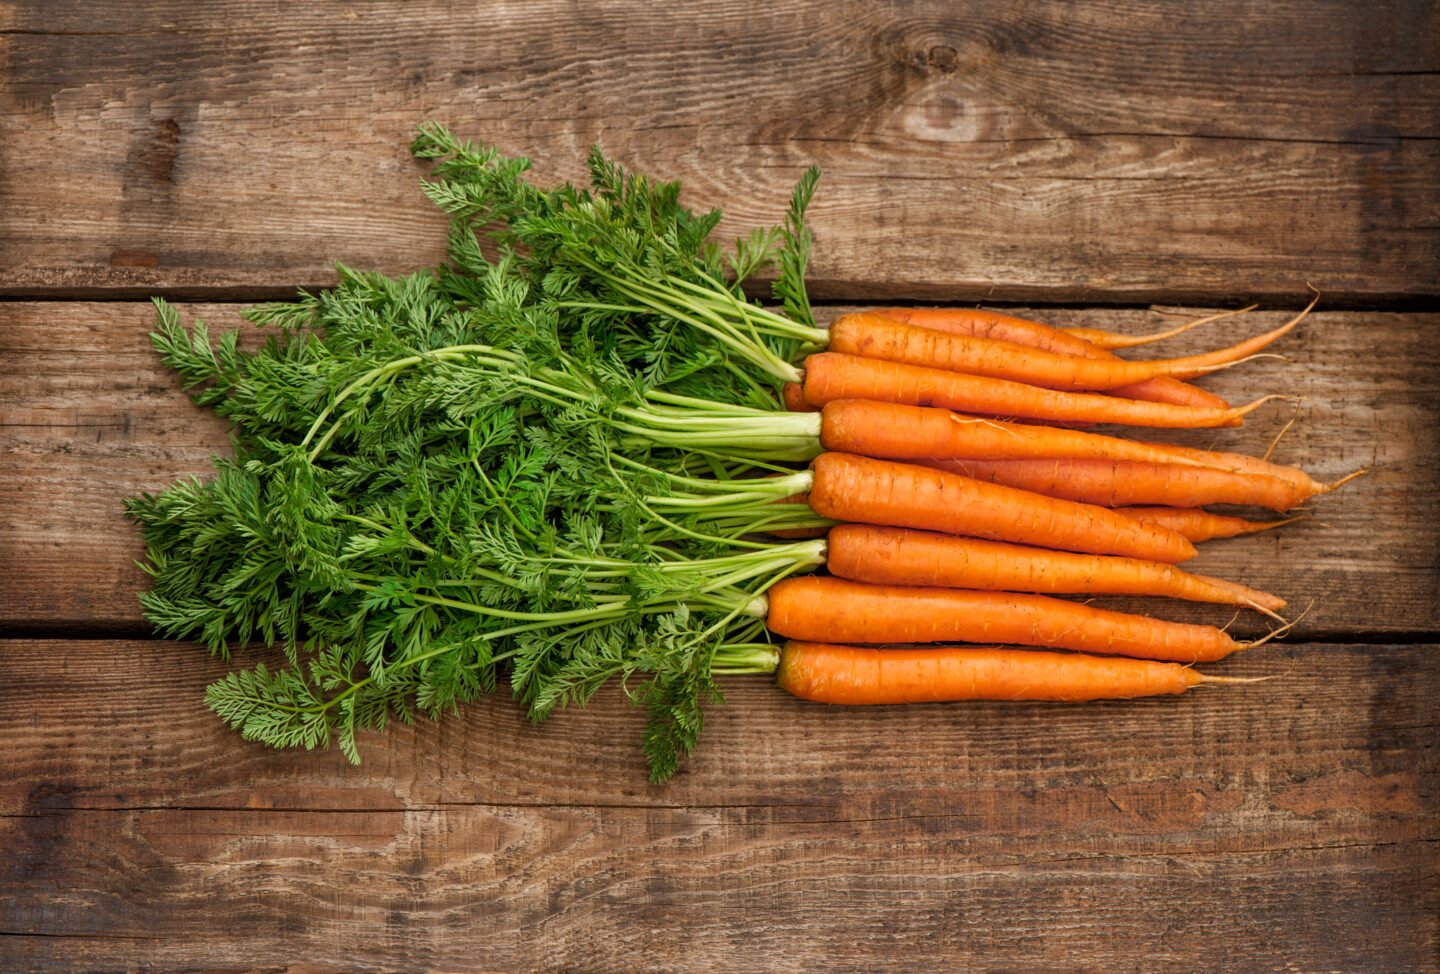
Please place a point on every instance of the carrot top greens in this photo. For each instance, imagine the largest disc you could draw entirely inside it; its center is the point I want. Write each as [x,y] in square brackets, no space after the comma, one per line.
[636,265]
[523,467]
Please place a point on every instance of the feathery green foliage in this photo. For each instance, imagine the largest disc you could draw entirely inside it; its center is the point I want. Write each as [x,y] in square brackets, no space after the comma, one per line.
[538,467]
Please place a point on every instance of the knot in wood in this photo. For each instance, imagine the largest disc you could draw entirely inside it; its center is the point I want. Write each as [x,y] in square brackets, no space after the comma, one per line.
[943,58]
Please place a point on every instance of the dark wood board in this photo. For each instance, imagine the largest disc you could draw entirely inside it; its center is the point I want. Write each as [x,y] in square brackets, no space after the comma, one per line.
[1099,152]
[1290,825]
[89,417]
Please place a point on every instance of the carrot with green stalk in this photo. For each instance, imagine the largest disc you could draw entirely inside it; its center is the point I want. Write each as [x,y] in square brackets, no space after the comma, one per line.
[879,337]
[886,430]
[884,555]
[896,556]
[833,376]
[1303,485]
[825,609]
[902,432]
[1129,483]
[1070,339]
[1110,340]
[1021,331]
[1198,525]
[844,487]
[867,675]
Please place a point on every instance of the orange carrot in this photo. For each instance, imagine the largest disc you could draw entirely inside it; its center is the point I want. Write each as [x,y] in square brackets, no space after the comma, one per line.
[981,323]
[832,376]
[1198,525]
[880,337]
[899,432]
[1298,479]
[1194,524]
[1124,483]
[825,609]
[896,556]
[827,673]
[1301,483]
[1110,340]
[793,395]
[852,488]
[991,324]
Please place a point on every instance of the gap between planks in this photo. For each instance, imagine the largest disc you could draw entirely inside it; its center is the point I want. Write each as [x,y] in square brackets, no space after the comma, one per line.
[826,296]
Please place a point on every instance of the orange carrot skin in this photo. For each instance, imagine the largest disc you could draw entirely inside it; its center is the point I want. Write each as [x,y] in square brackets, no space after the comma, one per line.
[1021,331]
[793,395]
[1107,340]
[896,431]
[832,376]
[827,673]
[852,488]
[1123,483]
[1110,341]
[1301,481]
[880,337]
[993,324]
[983,323]
[1198,525]
[823,609]
[898,556]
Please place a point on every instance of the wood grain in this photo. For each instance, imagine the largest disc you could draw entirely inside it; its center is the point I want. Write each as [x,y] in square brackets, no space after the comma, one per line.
[1116,151]
[88,417]
[1289,825]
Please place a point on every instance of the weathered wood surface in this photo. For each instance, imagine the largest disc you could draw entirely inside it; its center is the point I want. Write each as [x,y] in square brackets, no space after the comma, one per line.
[90,417]
[1032,151]
[1290,825]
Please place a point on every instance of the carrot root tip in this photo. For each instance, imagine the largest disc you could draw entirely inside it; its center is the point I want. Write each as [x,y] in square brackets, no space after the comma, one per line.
[1133,342]
[1272,614]
[1346,479]
[1272,525]
[1280,632]
[1284,429]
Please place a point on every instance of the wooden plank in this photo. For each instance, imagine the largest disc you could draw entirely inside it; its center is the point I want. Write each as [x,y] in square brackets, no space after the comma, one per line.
[89,417]
[1287,825]
[1039,151]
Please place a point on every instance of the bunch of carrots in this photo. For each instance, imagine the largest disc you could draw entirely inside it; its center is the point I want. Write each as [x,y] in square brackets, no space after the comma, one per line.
[970,538]
[596,457]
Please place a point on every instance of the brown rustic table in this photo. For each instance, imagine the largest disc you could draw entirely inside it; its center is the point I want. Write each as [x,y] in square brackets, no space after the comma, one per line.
[1099,162]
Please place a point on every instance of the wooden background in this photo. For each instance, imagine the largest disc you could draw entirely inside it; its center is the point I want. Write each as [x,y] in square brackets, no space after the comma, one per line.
[1101,163]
